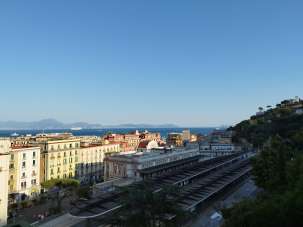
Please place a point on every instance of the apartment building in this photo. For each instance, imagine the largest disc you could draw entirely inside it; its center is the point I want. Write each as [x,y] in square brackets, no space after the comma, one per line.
[24,171]
[4,173]
[89,167]
[128,142]
[174,139]
[59,157]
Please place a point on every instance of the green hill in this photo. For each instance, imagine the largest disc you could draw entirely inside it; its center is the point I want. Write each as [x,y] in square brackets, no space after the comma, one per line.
[277,168]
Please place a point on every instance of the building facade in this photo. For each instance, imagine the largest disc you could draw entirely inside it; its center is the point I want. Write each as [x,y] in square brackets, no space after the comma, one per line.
[24,171]
[59,158]
[4,173]
[174,139]
[130,165]
[90,166]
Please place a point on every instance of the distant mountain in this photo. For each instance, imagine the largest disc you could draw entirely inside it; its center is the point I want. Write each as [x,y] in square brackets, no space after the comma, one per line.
[54,124]
[45,124]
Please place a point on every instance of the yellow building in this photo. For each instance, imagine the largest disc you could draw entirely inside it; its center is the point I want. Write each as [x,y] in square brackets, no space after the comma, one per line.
[24,171]
[89,167]
[4,172]
[59,157]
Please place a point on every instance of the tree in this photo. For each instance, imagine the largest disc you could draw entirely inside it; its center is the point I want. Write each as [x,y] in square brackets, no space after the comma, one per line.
[58,189]
[269,167]
[143,207]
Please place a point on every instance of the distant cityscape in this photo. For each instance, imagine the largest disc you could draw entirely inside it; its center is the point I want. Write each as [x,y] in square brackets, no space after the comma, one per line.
[32,160]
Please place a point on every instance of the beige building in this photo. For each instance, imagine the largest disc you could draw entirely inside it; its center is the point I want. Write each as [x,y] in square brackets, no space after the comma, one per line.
[186,135]
[4,173]
[59,157]
[174,139]
[24,171]
[89,167]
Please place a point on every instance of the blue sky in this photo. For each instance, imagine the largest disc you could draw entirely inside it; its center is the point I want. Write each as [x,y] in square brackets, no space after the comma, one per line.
[193,63]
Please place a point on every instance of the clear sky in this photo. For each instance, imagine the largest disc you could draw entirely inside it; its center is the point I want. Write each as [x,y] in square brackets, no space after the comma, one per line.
[193,63]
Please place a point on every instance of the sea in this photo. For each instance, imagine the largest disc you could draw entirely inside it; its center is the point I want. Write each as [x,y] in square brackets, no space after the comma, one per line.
[103,131]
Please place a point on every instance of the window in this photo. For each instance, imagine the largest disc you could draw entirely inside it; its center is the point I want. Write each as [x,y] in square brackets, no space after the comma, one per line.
[23,185]
[33,173]
[11,166]
[70,153]
[24,155]
[12,157]
[12,177]
[52,147]
[23,175]
[34,182]
[58,170]
[34,162]
[23,164]
[64,154]
[52,172]
[70,145]
[34,154]
[64,161]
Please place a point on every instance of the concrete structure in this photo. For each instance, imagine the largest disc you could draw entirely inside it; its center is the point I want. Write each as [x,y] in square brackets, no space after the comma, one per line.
[4,173]
[89,167]
[299,111]
[24,171]
[130,165]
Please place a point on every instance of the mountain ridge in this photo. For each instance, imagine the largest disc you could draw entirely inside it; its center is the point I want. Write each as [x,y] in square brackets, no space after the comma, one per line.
[51,123]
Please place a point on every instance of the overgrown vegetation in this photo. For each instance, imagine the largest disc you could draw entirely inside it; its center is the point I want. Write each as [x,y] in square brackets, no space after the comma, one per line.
[277,168]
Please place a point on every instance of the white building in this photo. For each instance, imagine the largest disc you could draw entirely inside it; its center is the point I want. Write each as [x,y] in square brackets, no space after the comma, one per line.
[24,173]
[4,173]
[129,165]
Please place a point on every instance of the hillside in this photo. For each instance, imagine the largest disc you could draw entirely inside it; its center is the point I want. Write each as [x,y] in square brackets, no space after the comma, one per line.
[277,168]
[285,120]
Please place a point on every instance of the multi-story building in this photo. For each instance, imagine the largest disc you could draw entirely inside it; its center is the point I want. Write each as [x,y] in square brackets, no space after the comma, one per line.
[150,136]
[24,171]
[129,142]
[174,139]
[131,165]
[59,157]
[4,173]
[89,167]
[186,135]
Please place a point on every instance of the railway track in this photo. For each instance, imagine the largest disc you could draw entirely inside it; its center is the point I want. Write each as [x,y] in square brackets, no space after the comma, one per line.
[197,183]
